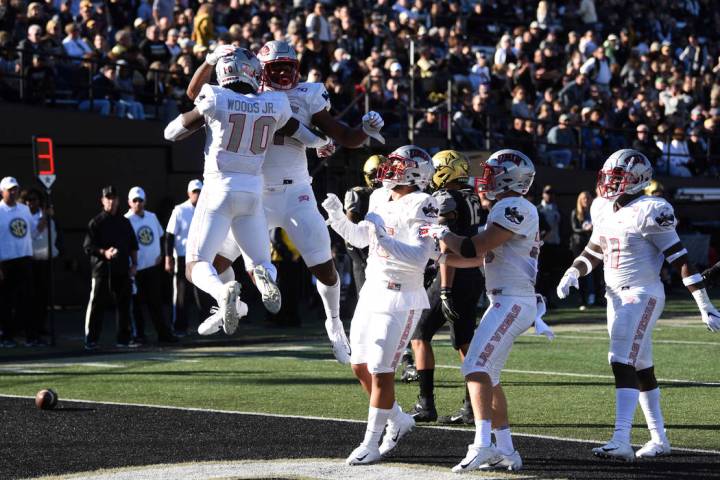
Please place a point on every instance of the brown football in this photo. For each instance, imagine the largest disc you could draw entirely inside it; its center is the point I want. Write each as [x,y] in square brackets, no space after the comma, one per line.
[46,399]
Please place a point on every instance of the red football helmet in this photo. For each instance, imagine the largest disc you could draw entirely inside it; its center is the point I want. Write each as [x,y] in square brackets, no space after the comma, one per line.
[280,66]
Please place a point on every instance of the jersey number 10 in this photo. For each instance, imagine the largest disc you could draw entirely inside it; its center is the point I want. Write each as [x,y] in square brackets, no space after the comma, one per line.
[262,130]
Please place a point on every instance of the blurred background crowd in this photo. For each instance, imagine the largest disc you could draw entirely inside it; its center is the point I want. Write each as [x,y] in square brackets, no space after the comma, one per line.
[564,81]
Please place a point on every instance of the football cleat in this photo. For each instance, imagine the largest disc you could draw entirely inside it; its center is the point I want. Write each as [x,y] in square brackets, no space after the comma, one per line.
[269,290]
[227,308]
[364,455]
[615,449]
[396,429]
[464,416]
[212,324]
[340,344]
[476,457]
[511,462]
[653,449]
[424,410]
[409,374]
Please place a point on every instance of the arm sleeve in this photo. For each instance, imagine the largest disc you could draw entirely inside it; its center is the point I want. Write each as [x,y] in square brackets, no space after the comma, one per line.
[172,223]
[355,234]
[657,225]
[419,250]
[205,101]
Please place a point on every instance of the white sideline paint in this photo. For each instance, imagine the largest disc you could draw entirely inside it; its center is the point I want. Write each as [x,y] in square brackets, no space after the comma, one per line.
[331,419]
[590,375]
[314,468]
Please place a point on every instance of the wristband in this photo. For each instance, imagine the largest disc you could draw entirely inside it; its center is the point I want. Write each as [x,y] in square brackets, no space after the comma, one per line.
[692,279]
[676,255]
[593,253]
[572,271]
[587,263]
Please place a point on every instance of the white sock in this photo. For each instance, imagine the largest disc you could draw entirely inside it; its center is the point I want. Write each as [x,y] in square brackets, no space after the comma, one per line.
[330,296]
[483,428]
[650,403]
[205,277]
[377,418]
[503,440]
[626,400]
[227,276]
[395,412]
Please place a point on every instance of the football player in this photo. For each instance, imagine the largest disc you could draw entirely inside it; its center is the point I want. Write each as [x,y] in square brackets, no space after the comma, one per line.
[454,293]
[509,246]
[288,197]
[240,124]
[632,235]
[393,296]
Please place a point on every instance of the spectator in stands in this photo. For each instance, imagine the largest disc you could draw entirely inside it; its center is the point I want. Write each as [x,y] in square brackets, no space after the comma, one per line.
[172,43]
[597,70]
[676,154]
[153,49]
[163,9]
[644,143]
[575,92]
[519,139]
[697,147]
[104,91]
[562,142]
[694,57]
[39,79]
[552,256]
[32,45]
[74,45]
[318,24]
[16,286]
[127,104]
[203,26]
[111,244]
[52,41]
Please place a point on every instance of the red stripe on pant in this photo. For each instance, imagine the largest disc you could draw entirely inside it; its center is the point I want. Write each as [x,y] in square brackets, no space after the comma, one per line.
[403,340]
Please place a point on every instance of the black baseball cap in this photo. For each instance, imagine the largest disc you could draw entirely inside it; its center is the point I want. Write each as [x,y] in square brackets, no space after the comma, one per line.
[109,191]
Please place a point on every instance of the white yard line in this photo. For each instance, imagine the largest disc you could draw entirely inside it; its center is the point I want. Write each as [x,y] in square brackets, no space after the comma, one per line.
[590,375]
[562,336]
[311,417]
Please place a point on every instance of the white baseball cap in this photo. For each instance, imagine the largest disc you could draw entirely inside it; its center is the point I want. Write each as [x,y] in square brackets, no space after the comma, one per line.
[194,184]
[7,183]
[136,192]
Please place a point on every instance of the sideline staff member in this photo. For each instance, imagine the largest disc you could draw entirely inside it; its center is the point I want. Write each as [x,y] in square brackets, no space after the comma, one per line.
[15,266]
[111,244]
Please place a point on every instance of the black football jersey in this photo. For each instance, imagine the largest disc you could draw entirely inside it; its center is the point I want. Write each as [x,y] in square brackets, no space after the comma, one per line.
[469,214]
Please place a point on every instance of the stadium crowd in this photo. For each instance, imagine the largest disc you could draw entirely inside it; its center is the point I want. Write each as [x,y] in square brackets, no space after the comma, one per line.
[565,81]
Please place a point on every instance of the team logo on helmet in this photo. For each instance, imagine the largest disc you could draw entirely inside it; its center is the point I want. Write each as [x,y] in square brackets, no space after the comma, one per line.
[145,235]
[18,227]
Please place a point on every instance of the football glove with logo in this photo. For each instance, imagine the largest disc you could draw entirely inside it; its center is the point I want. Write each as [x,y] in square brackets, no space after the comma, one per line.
[221,51]
[326,151]
[372,123]
[447,306]
[334,207]
[436,232]
[570,279]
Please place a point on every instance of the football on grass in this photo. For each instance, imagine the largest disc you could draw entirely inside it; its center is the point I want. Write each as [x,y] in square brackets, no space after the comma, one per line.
[46,399]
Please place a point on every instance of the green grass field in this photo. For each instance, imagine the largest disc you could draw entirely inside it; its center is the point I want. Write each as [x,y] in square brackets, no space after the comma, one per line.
[561,388]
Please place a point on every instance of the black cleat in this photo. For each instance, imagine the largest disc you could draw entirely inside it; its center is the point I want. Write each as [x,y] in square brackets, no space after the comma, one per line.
[464,416]
[409,371]
[424,410]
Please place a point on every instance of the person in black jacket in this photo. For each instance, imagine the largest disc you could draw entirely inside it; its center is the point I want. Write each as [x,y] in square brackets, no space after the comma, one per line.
[581,224]
[112,246]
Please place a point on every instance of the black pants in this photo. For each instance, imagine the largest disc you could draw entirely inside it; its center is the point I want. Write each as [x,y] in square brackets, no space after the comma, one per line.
[185,295]
[359,262]
[150,282]
[551,265]
[41,284]
[105,292]
[16,297]
[289,279]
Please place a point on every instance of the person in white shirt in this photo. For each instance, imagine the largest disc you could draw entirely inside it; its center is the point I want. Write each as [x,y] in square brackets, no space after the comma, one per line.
[73,44]
[16,286]
[393,295]
[633,235]
[41,214]
[185,293]
[508,247]
[598,71]
[149,278]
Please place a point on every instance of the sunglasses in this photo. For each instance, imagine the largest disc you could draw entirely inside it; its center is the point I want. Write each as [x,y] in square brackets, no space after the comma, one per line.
[137,200]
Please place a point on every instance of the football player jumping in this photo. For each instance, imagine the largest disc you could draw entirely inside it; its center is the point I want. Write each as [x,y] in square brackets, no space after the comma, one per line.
[239,126]
[288,197]
[633,234]
[509,245]
[393,296]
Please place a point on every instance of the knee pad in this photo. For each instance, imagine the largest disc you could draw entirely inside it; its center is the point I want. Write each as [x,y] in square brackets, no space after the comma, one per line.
[625,375]
[646,379]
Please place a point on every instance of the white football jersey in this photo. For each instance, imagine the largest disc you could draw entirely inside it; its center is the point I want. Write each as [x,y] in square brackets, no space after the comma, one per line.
[511,268]
[286,159]
[633,239]
[402,218]
[239,129]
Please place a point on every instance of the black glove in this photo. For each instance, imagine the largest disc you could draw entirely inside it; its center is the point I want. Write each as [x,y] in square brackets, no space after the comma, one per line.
[712,275]
[448,309]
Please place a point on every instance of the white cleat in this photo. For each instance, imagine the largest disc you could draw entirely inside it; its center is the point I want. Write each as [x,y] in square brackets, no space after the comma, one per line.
[340,344]
[212,324]
[615,449]
[227,308]
[364,455]
[396,430]
[511,462]
[653,449]
[269,290]
[475,458]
